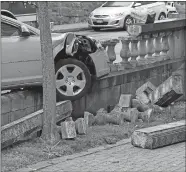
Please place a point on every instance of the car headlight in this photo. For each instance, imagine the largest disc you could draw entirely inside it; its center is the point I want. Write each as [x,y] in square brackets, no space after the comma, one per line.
[118,15]
[91,14]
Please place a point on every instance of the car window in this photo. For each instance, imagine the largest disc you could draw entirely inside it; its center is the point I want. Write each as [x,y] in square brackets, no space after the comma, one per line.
[117,4]
[147,2]
[9,30]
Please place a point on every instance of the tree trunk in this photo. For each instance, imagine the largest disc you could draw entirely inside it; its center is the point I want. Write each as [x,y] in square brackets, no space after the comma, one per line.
[0,89]
[49,132]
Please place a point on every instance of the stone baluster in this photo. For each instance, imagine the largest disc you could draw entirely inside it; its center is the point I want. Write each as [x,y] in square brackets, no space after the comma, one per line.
[142,50]
[157,46]
[171,41]
[165,46]
[111,53]
[133,51]
[125,53]
[111,50]
[104,44]
[150,48]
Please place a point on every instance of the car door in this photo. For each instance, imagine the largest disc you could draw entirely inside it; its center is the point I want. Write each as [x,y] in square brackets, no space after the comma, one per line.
[156,6]
[21,57]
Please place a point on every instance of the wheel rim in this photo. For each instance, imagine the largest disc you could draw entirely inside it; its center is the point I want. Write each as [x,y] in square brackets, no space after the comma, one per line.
[162,17]
[70,80]
[128,21]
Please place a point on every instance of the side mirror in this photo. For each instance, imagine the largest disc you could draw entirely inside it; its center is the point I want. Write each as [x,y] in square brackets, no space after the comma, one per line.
[137,4]
[24,31]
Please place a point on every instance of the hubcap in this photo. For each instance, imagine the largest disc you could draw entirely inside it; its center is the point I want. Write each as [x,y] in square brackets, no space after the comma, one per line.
[70,80]
[162,17]
[129,21]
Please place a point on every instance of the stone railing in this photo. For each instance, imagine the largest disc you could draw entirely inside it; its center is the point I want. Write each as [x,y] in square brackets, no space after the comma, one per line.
[150,43]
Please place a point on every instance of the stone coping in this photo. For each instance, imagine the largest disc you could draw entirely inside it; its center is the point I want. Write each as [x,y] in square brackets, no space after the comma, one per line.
[160,26]
[139,68]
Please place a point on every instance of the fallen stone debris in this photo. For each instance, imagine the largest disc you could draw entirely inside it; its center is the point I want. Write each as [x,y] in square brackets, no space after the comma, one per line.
[148,100]
[142,93]
[81,126]
[159,136]
[168,91]
[68,129]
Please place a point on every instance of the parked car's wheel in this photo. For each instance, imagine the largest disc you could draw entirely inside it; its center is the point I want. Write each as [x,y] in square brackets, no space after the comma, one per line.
[73,79]
[128,20]
[96,29]
[162,16]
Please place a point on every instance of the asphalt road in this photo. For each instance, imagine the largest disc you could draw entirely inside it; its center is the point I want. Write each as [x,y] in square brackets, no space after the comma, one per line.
[105,35]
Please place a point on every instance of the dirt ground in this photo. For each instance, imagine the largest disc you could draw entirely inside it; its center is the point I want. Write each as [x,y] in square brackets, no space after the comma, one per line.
[35,150]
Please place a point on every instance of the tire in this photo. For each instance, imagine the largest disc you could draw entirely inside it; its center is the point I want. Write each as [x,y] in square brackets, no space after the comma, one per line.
[96,29]
[125,22]
[67,87]
[162,16]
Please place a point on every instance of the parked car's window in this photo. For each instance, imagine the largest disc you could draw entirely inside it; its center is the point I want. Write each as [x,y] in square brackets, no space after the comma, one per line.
[117,4]
[9,30]
[145,2]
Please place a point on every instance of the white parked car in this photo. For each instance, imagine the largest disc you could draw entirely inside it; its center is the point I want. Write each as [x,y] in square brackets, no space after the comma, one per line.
[171,7]
[117,14]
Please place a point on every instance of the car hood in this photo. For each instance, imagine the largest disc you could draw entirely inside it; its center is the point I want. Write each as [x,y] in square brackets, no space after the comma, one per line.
[110,10]
[58,38]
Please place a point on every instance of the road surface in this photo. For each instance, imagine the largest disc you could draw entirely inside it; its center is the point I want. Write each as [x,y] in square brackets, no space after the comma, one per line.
[105,35]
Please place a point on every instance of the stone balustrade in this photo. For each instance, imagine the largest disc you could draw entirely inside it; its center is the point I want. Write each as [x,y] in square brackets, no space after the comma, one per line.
[150,43]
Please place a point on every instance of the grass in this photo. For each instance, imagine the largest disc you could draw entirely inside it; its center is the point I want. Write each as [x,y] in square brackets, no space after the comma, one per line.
[35,150]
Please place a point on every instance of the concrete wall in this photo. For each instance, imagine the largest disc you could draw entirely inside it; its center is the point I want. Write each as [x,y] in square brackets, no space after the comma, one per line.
[19,104]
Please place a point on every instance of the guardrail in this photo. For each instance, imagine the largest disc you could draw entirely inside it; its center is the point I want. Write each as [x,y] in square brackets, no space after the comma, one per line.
[148,43]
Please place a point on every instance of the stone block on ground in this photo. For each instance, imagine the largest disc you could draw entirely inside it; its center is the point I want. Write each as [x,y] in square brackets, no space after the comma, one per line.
[146,116]
[115,117]
[68,130]
[169,91]
[101,111]
[159,136]
[130,114]
[101,119]
[89,118]
[142,93]
[81,127]
[140,106]
[125,100]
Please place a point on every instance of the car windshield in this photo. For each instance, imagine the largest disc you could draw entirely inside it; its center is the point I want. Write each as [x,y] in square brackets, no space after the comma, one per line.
[117,4]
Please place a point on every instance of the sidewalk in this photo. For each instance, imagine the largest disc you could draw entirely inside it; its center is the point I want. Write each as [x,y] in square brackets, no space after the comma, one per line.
[75,27]
[119,157]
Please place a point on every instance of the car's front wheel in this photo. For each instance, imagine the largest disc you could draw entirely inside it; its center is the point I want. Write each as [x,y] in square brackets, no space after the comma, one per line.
[162,16]
[73,79]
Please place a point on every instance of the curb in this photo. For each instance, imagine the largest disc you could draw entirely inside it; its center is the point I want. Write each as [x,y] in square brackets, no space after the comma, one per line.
[71,30]
[55,161]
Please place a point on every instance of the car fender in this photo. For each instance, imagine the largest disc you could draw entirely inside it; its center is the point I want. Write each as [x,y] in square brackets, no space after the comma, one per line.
[100,60]
[57,49]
